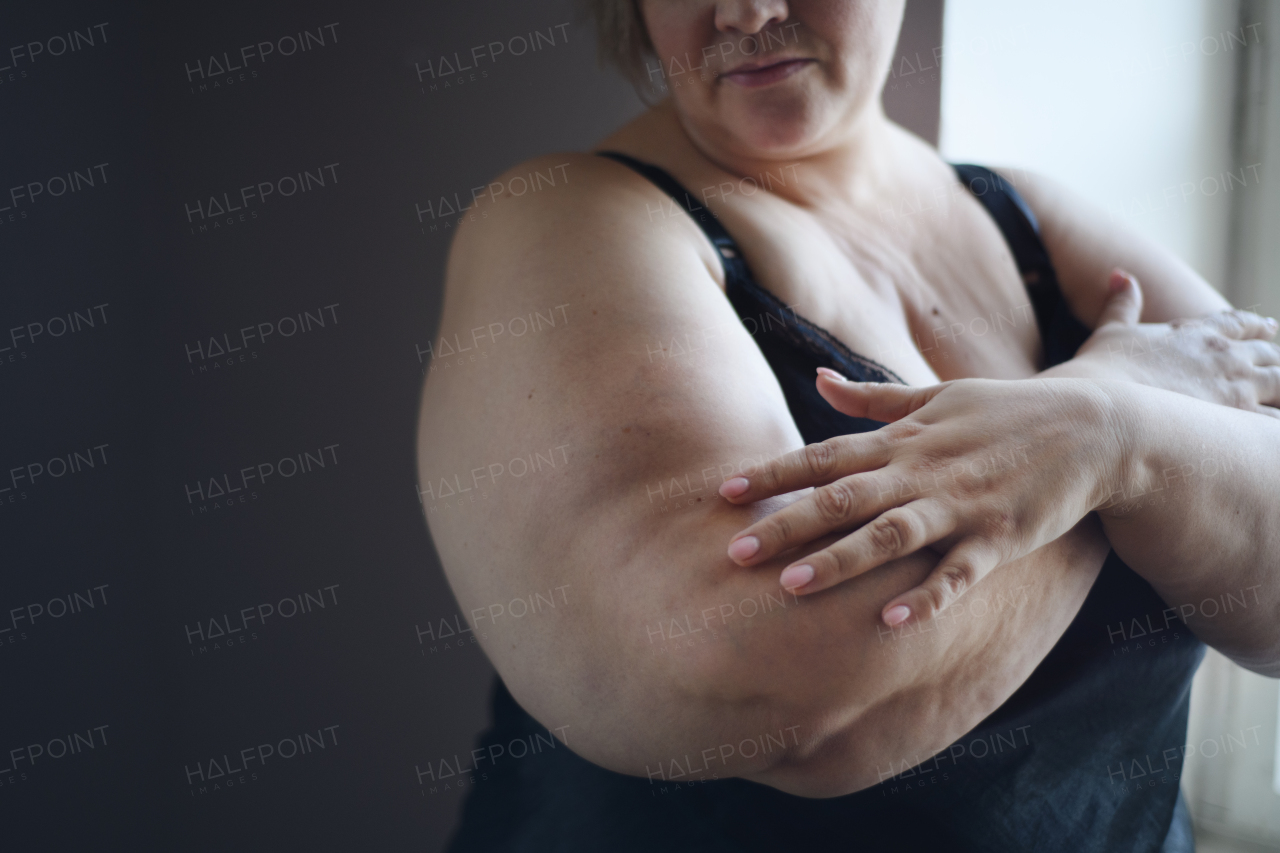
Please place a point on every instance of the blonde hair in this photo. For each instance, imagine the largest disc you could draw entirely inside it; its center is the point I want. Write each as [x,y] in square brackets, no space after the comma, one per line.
[621,38]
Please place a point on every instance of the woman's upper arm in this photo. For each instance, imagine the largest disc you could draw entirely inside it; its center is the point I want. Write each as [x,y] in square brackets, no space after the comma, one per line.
[591,451]
[1085,243]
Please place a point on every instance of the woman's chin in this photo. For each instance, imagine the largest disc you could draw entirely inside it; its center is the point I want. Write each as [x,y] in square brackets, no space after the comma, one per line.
[773,137]
[772,124]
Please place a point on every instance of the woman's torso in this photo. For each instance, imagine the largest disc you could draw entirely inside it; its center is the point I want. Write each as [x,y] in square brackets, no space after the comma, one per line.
[910,269]
[1066,763]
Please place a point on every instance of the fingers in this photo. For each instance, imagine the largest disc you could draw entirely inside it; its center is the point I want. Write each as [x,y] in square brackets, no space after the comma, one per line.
[963,566]
[879,401]
[1124,300]
[1264,353]
[811,465]
[897,533]
[1242,325]
[818,464]
[1266,382]
[841,505]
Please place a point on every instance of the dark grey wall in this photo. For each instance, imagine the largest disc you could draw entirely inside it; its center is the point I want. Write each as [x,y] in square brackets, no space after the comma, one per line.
[238,371]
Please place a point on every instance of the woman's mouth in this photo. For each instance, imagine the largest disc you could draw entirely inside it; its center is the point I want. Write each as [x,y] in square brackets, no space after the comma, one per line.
[764,75]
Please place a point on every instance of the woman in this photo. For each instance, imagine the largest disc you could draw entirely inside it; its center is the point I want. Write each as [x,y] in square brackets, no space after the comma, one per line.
[937,644]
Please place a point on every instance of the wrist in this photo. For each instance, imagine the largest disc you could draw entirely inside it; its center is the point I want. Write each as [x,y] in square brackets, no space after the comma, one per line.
[1082,366]
[1121,472]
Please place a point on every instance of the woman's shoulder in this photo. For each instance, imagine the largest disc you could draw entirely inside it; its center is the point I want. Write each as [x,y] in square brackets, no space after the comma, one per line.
[566,205]
[554,195]
[551,189]
[537,194]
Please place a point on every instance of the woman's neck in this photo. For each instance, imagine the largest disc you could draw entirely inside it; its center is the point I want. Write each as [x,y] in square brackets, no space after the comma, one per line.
[850,167]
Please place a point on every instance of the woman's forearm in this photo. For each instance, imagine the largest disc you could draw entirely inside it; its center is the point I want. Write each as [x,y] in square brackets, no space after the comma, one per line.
[1196,511]
[1194,508]
[1077,368]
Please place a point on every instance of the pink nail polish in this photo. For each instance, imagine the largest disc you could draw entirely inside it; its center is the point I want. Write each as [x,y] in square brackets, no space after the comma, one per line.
[733,488]
[897,615]
[794,577]
[831,374]
[744,548]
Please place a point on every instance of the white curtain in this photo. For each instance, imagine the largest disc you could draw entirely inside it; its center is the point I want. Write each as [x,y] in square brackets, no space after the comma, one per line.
[1229,774]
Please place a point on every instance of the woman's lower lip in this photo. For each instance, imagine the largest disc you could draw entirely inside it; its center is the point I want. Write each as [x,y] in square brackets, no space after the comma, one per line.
[769,74]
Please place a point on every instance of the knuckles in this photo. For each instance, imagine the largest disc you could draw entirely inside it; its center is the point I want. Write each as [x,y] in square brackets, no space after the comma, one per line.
[769,479]
[889,533]
[901,430]
[837,562]
[947,585]
[778,528]
[954,579]
[999,528]
[1216,342]
[820,459]
[835,502]
[936,596]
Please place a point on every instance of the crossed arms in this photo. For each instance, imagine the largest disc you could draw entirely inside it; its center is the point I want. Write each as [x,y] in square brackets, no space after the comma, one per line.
[621,662]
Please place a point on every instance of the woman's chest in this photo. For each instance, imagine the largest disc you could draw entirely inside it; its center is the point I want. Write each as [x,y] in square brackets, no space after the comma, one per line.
[932,299]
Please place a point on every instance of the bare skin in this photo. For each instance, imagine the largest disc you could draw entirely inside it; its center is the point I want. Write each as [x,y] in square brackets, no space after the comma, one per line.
[609,663]
[624,417]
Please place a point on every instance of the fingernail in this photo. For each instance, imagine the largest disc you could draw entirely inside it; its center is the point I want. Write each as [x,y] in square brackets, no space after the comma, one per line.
[744,548]
[1119,281]
[831,374]
[794,577]
[1271,322]
[733,488]
[897,615]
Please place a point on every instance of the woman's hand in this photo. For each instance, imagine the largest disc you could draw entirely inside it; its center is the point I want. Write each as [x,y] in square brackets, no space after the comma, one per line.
[982,471]
[1225,358]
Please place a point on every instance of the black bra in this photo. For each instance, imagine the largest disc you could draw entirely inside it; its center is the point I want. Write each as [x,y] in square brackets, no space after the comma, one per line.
[1062,765]
[794,346]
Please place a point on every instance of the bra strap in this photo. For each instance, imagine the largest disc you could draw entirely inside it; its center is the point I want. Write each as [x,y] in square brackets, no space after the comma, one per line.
[705,219]
[1061,333]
